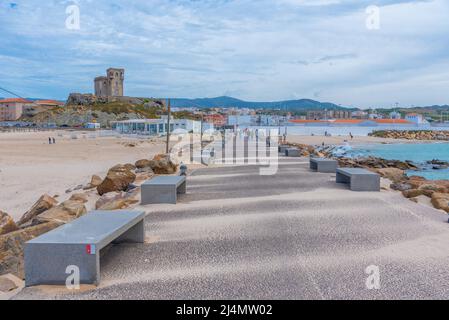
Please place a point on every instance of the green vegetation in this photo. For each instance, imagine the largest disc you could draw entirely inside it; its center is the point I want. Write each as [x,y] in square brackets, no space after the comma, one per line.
[150,112]
[186,115]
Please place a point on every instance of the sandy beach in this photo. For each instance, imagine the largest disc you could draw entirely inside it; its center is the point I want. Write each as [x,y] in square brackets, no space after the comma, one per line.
[30,167]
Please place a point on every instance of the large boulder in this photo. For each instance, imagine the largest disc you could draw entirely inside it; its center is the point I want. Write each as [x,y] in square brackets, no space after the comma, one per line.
[80,197]
[144,163]
[11,247]
[393,174]
[416,181]
[400,186]
[162,164]
[43,204]
[440,201]
[63,213]
[413,193]
[117,200]
[95,181]
[6,284]
[117,179]
[7,223]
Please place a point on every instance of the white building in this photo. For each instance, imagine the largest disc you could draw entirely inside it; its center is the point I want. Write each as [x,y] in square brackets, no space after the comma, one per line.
[395,115]
[156,126]
[240,120]
[415,118]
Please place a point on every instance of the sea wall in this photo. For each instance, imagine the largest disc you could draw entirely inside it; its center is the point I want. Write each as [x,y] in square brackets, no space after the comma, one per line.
[412,134]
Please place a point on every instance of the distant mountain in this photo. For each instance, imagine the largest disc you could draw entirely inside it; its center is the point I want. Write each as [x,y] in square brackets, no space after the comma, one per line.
[229,102]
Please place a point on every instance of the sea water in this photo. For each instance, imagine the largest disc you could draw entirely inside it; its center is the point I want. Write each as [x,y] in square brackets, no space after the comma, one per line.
[418,153]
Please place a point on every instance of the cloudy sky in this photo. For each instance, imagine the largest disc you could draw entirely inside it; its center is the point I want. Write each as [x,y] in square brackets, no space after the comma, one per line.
[259,50]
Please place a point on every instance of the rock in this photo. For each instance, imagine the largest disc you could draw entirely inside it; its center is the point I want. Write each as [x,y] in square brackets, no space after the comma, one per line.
[438,162]
[63,213]
[43,204]
[95,181]
[11,247]
[144,163]
[439,167]
[115,201]
[416,181]
[130,166]
[400,186]
[440,201]
[7,223]
[413,193]
[433,188]
[394,174]
[162,164]
[6,284]
[117,179]
[80,197]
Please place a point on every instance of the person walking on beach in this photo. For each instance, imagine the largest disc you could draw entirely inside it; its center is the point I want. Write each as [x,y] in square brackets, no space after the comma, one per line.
[54,140]
[350,134]
[49,140]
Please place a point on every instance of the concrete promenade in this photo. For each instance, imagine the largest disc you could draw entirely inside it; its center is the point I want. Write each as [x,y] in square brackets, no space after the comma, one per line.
[294,235]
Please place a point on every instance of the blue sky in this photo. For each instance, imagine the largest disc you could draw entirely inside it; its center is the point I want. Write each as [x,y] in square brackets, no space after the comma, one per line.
[262,50]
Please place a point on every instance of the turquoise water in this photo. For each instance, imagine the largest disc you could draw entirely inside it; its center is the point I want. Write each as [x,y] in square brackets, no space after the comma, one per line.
[418,153]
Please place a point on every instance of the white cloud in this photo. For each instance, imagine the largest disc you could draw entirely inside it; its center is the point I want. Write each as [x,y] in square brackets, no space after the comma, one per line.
[264,50]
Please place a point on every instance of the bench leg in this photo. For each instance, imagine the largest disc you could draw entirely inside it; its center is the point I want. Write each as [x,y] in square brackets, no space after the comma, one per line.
[158,194]
[48,263]
[365,183]
[327,167]
[340,178]
[182,188]
[135,234]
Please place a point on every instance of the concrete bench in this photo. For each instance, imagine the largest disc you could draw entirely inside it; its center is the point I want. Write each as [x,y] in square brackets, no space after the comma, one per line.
[163,189]
[359,179]
[282,148]
[323,165]
[79,243]
[292,152]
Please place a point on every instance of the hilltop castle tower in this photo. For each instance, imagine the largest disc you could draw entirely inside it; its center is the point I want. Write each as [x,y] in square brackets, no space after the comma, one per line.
[111,85]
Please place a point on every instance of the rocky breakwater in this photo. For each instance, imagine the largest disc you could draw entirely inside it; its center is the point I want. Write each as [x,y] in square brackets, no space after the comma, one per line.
[413,187]
[412,134]
[45,215]
[120,189]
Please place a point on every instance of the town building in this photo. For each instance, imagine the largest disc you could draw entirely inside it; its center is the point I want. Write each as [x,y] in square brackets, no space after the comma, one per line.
[328,114]
[155,127]
[110,85]
[415,118]
[12,109]
[216,119]
[354,122]
[395,115]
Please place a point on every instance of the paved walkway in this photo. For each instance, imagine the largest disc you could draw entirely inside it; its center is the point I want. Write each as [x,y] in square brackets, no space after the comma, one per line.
[295,235]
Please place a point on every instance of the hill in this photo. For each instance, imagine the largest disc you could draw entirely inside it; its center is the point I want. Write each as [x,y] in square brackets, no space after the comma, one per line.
[229,102]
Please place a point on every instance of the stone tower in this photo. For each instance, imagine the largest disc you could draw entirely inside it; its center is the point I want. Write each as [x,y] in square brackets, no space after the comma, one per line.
[111,85]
